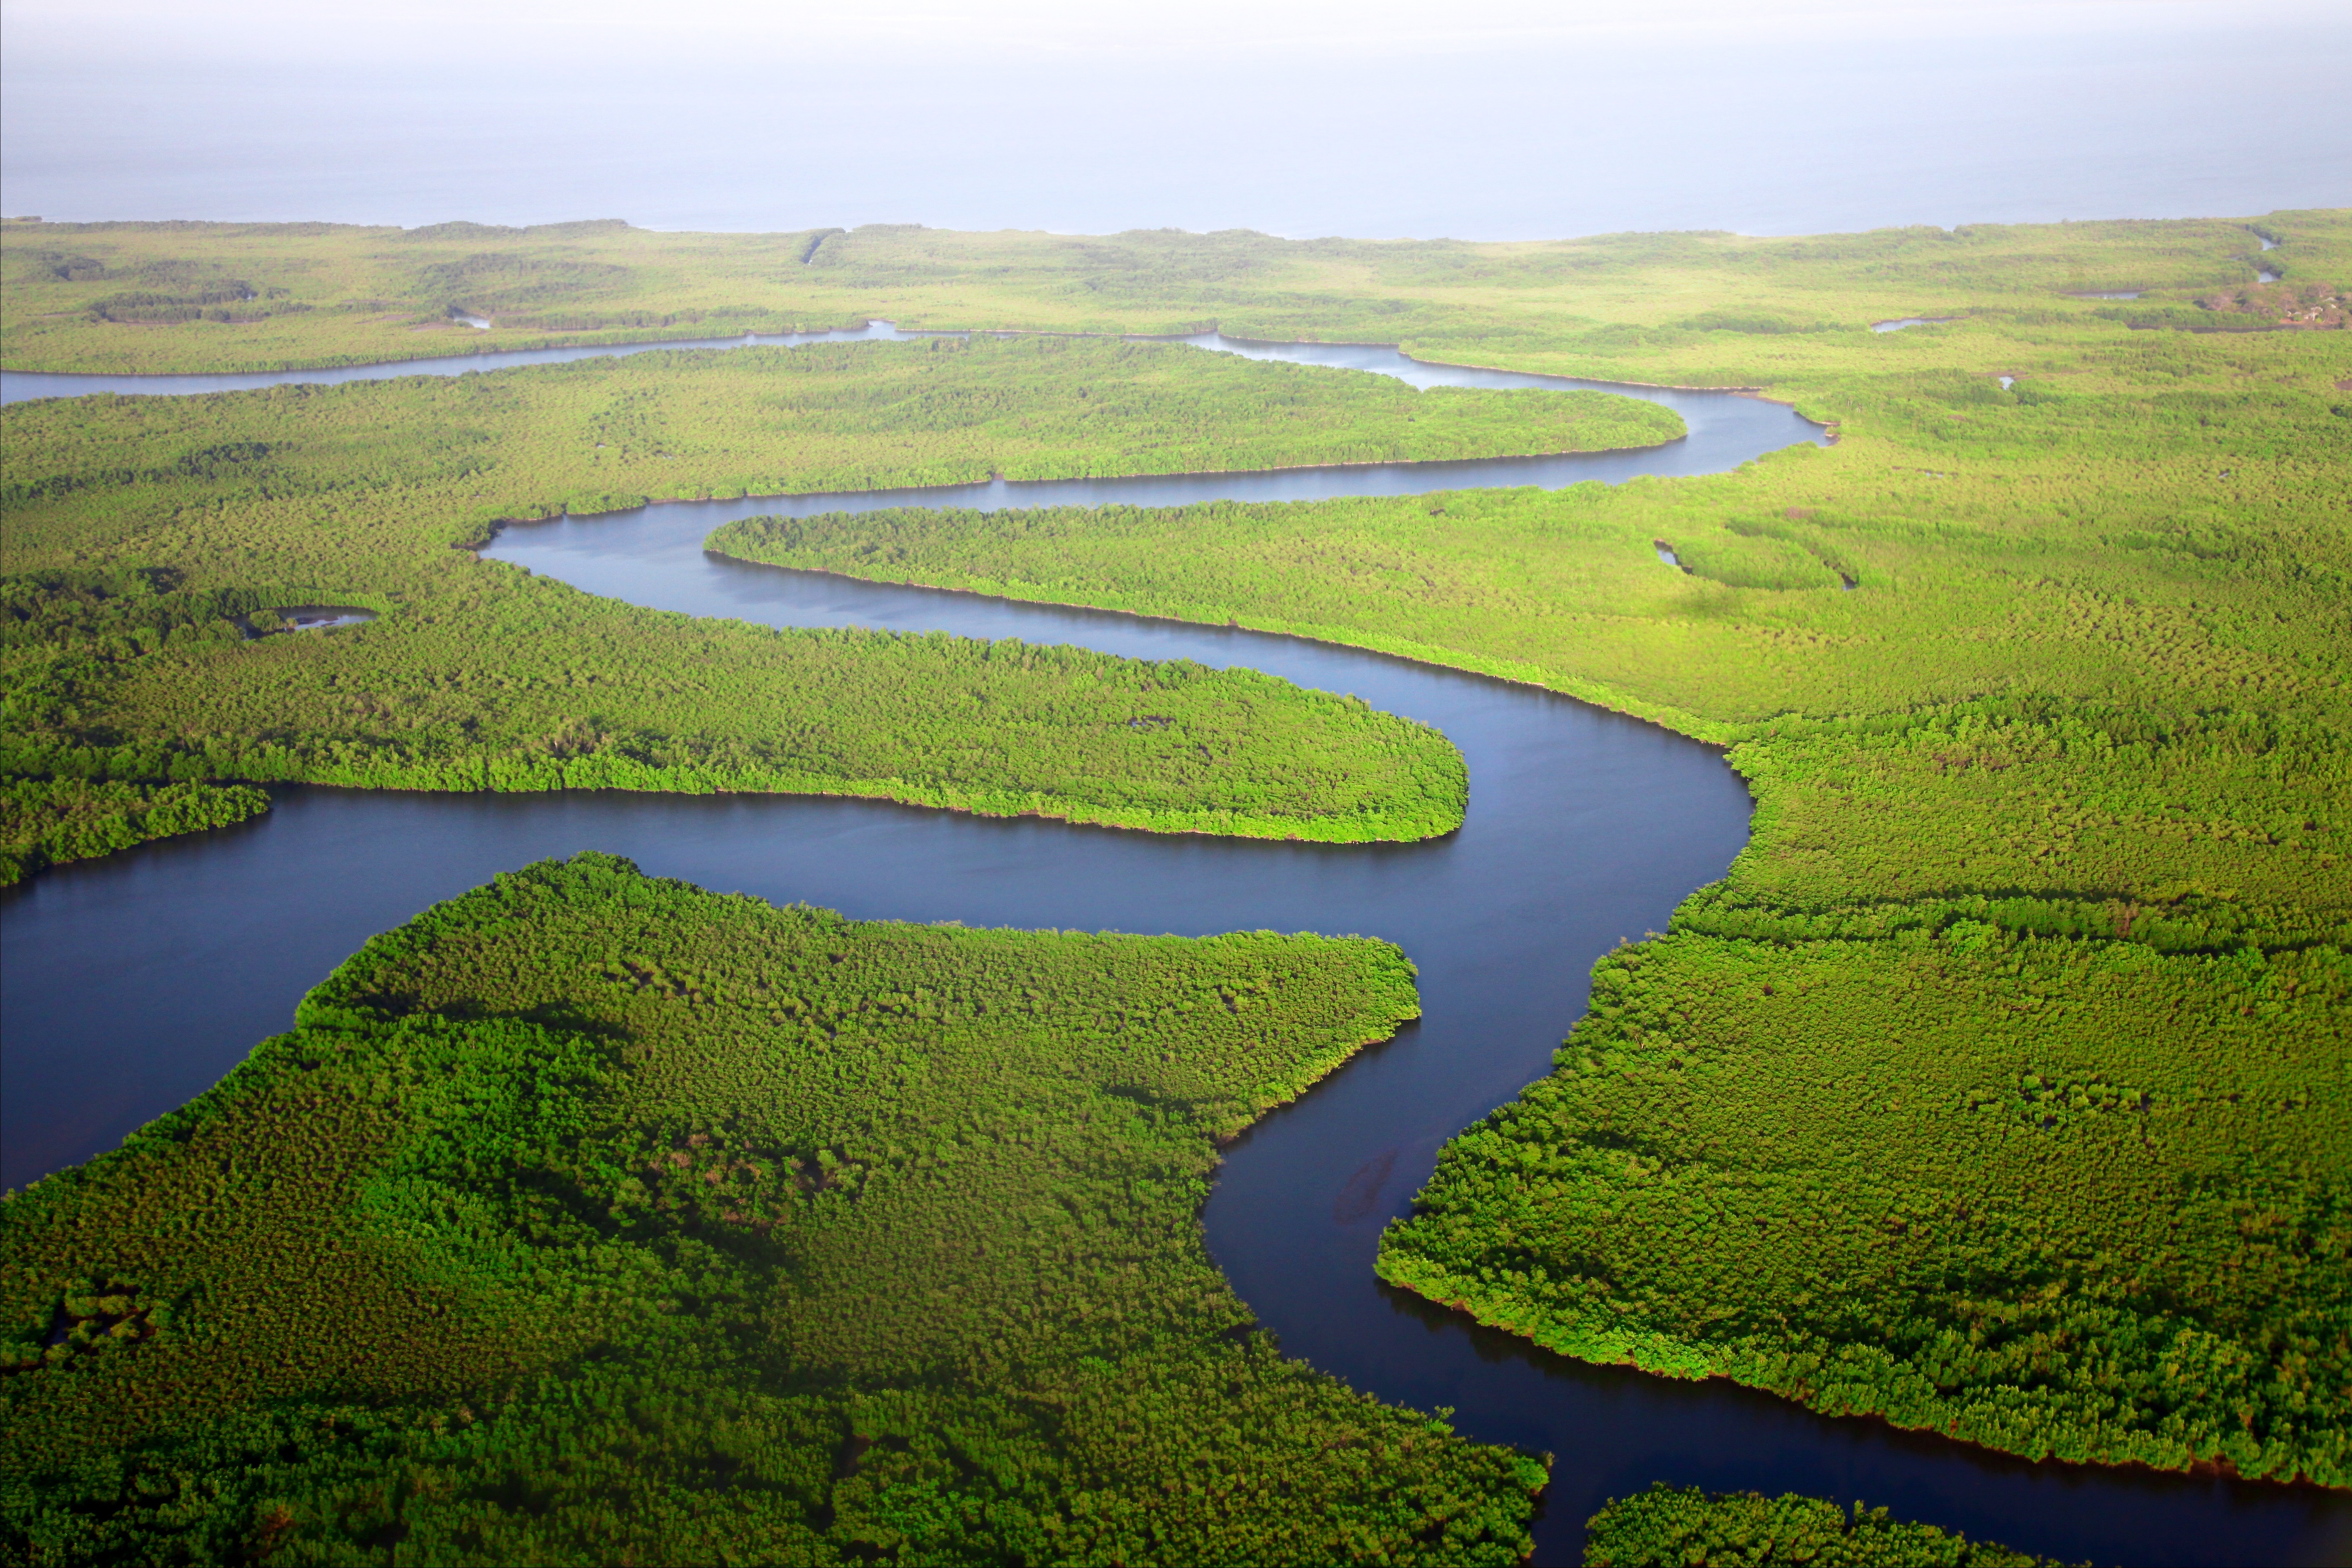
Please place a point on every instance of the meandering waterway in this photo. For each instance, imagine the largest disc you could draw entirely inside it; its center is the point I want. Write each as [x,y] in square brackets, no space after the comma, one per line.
[134,982]
[18,385]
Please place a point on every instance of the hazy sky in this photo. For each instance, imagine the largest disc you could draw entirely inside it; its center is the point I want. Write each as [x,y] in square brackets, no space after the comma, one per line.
[1075,29]
[1495,119]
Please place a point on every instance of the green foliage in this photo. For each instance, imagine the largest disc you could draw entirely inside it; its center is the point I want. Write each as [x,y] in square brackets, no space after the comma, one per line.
[45,821]
[1744,554]
[1691,309]
[58,631]
[1668,1527]
[2086,706]
[2086,549]
[2053,810]
[1753,324]
[601,433]
[522,687]
[2058,1196]
[591,1217]
[147,533]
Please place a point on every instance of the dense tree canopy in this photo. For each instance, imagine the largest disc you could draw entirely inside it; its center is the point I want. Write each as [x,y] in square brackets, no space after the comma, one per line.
[593,1218]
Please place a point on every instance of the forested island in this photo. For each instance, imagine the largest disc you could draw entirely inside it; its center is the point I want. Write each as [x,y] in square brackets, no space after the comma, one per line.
[1997,1092]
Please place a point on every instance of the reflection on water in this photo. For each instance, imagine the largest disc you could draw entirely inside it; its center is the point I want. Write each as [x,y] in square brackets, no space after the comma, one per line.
[322,617]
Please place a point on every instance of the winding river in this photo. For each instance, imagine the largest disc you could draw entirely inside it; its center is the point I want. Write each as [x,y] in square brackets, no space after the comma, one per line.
[134,982]
[17,386]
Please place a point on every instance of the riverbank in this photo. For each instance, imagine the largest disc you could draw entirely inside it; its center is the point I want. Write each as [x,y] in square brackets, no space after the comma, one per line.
[694,1233]
[1915,827]
[474,679]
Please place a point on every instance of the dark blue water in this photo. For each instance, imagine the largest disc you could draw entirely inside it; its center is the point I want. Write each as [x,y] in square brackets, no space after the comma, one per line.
[135,980]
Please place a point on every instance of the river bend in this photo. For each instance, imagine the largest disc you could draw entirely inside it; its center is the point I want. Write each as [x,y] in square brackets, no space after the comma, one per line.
[134,982]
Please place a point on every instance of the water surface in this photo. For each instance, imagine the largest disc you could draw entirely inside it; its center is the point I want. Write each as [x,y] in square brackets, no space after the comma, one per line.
[18,385]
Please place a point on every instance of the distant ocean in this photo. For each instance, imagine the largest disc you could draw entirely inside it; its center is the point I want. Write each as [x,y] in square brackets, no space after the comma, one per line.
[1773,139]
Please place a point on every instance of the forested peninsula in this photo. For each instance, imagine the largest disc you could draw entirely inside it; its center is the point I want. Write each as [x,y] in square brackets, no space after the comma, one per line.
[592,1219]
[1675,1527]
[145,534]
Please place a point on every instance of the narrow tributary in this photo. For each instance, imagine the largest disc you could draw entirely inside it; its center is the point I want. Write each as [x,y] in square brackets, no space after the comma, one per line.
[18,385]
[135,980]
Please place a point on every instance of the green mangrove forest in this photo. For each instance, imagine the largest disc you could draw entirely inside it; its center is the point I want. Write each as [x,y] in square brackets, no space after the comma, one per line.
[592,1219]
[1695,309]
[1670,1526]
[144,535]
[2000,1090]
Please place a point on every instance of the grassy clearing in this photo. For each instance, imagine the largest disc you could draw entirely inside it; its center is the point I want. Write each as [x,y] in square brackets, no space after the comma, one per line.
[591,1217]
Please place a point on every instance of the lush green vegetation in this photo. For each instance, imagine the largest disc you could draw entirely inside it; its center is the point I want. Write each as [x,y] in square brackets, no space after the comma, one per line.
[2085,709]
[1698,308]
[1667,1527]
[506,684]
[144,533]
[599,434]
[2056,1195]
[45,821]
[1927,1110]
[593,1218]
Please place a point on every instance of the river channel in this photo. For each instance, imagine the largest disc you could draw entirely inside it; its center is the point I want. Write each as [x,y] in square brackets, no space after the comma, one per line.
[134,982]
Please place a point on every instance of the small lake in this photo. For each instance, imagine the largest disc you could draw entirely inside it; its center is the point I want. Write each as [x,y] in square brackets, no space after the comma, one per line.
[134,982]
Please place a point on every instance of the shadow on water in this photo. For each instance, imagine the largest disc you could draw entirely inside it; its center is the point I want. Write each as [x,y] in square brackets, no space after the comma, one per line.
[134,982]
